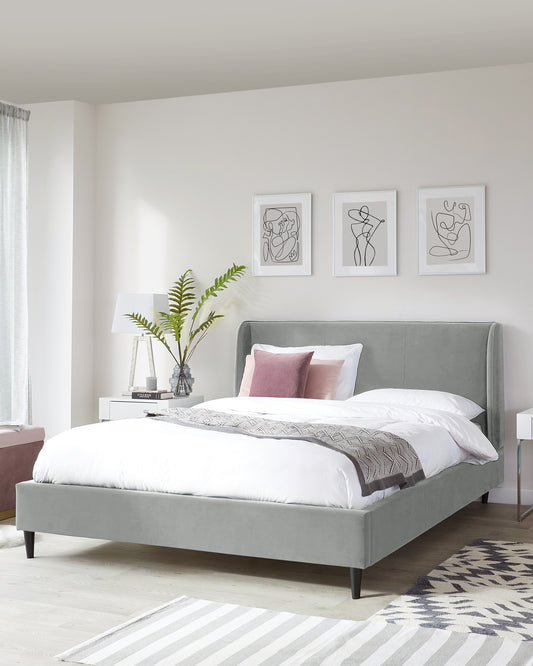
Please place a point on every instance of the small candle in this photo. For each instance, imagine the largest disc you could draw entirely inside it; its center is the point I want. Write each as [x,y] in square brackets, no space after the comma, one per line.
[151,383]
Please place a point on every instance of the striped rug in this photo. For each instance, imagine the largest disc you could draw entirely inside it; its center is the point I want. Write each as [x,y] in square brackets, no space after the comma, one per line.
[204,633]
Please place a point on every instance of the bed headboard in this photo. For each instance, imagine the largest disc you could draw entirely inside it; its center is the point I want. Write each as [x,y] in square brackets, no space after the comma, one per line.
[459,357]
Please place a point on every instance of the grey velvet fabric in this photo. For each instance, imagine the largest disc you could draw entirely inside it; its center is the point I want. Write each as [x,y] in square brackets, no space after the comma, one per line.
[299,533]
[463,358]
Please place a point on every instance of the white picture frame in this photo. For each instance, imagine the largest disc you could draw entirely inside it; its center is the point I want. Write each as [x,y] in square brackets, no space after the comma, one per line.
[364,233]
[451,230]
[281,234]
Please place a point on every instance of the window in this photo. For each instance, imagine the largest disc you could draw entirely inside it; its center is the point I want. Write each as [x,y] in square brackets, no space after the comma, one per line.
[14,383]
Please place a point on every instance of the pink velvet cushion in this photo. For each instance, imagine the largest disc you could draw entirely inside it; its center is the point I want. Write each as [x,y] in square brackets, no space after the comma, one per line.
[321,380]
[280,375]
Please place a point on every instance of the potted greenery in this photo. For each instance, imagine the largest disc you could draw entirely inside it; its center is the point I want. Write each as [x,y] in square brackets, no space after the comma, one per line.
[188,326]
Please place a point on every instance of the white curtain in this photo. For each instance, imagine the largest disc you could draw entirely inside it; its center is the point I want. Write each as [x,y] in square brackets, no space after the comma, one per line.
[14,383]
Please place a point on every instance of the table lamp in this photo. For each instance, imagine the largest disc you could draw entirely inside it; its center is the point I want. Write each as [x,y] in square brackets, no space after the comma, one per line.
[147,305]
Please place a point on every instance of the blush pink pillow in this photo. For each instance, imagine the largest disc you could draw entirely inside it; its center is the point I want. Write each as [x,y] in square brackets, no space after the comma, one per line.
[280,375]
[321,379]
[247,375]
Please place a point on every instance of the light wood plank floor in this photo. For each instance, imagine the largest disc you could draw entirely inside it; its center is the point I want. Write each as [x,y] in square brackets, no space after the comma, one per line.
[76,588]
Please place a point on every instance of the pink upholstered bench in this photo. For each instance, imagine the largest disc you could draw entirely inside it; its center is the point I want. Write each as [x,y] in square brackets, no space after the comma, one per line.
[18,451]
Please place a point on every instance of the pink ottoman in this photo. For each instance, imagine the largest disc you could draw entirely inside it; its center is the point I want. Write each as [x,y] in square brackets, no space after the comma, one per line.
[18,451]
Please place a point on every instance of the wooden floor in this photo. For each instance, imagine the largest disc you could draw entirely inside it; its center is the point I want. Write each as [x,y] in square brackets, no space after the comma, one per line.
[76,588]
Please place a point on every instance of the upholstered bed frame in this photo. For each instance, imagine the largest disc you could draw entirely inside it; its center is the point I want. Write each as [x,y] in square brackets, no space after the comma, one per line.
[462,358]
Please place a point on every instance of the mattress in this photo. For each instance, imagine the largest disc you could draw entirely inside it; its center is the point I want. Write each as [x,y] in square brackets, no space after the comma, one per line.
[151,455]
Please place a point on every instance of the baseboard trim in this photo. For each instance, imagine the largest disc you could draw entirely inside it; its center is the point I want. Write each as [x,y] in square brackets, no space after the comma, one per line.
[4,515]
[506,495]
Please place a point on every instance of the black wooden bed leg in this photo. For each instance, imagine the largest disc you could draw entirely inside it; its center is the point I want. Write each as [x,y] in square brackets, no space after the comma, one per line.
[355,580]
[485,498]
[29,542]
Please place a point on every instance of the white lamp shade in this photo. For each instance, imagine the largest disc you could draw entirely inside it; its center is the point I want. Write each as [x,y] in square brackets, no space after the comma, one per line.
[147,305]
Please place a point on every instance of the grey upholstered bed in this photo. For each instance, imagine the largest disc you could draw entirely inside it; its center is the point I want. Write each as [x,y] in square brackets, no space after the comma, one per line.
[462,358]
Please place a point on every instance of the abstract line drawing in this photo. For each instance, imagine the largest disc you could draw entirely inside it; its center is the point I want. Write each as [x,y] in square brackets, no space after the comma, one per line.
[364,242]
[452,226]
[281,235]
[363,229]
[451,230]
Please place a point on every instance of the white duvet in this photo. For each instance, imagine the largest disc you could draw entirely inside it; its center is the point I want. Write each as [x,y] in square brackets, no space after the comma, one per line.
[146,454]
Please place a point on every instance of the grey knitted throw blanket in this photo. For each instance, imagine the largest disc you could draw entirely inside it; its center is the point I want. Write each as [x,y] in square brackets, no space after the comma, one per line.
[381,459]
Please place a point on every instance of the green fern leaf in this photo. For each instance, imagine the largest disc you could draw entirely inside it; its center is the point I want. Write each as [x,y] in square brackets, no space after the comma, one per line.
[205,325]
[172,323]
[220,284]
[181,295]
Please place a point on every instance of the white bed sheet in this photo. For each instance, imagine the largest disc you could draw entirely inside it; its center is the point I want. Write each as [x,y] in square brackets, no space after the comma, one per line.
[151,455]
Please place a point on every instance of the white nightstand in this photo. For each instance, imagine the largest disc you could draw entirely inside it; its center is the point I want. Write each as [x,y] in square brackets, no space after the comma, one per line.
[124,407]
[524,432]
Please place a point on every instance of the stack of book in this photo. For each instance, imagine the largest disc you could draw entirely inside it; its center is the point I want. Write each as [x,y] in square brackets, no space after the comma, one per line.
[151,395]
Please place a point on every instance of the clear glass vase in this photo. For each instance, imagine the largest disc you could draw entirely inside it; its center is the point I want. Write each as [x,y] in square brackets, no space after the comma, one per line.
[181,381]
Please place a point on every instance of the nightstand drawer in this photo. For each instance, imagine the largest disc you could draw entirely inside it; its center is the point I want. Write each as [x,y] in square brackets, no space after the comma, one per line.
[128,410]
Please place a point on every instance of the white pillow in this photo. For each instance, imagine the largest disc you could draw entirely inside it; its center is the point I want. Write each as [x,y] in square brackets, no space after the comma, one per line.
[447,402]
[348,353]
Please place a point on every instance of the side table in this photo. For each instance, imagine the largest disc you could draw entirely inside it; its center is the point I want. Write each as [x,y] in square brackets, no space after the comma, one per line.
[124,407]
[524,432]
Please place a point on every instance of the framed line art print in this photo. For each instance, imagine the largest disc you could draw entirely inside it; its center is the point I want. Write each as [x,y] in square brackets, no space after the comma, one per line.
[364,233]
[451,230]
[282,234]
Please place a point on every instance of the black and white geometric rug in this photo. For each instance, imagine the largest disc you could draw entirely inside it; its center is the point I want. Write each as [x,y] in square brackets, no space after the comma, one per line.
[485,588]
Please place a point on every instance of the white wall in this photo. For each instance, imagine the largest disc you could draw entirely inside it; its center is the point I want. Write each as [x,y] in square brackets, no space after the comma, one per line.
[83,407]
[50,142]
[175,180]
[60,263]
